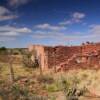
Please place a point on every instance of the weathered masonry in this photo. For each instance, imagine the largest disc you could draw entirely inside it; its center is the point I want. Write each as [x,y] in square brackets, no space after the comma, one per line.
[66,57]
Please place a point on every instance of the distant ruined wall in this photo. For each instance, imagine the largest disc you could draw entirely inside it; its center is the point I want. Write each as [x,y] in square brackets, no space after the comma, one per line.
[53,56]
[89,48]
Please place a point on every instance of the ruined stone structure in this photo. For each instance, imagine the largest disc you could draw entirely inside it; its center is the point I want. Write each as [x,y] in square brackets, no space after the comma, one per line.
[38,52]
[66,57]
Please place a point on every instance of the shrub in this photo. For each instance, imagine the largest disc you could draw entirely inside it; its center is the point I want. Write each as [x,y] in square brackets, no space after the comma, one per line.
[51,87]
[52,98]
[27,62]
[71,91]
[2,82]
[45,79]
[14,92]
[3,50]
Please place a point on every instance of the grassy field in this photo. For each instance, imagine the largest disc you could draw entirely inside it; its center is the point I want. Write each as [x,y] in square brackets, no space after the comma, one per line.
[50,84]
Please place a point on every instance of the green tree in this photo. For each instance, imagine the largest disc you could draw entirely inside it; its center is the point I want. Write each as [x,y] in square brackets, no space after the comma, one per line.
[3,50]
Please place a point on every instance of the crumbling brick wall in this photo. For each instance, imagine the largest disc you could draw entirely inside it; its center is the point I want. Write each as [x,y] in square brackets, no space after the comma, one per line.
[53,56]
[59,54]
[89,48]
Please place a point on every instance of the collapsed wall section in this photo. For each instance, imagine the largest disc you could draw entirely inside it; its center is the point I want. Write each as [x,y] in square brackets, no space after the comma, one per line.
[59,54]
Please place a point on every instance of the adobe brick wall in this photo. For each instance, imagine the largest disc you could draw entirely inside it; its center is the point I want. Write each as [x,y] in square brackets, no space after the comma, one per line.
[59,54]
[53,56]
[89,48]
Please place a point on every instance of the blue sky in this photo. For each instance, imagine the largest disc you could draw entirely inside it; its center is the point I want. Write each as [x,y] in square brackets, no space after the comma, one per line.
[49,22]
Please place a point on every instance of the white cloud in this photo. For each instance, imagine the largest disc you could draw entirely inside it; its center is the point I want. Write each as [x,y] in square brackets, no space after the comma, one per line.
[52,35]
[94,29]
[78,15]
[63,38]
[6,14]
[2,18]
[13,31]
[6,39]
[75,18]
[50,27]
[23,30]
[9,34]
[45,35]
[16,3]
[67,22]
[4,10]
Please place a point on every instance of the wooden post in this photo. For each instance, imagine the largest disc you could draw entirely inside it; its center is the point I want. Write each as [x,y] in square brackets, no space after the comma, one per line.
[10,64]
[12,78]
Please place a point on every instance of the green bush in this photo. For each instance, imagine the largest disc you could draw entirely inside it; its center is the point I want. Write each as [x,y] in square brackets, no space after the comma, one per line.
[27,62]
[51,88]
[2,82]
[3,50]
[71,90]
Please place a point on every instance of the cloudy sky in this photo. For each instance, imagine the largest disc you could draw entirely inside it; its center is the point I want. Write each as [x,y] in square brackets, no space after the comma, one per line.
[49,22]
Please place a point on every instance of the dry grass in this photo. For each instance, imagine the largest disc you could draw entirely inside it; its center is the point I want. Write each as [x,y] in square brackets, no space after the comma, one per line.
[19,71]
[88,78]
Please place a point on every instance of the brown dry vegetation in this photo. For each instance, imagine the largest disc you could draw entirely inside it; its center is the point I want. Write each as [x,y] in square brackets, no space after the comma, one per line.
[29,82]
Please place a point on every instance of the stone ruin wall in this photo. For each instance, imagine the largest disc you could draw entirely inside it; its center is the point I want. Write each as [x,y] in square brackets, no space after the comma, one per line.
[38,52]
[93,52]
[52,56]
[89,48]
[59,54]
